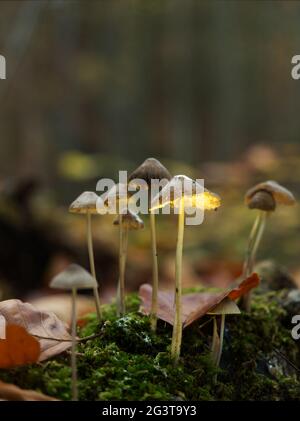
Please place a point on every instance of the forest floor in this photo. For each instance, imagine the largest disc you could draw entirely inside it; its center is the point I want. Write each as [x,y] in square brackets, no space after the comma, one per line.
[127,361]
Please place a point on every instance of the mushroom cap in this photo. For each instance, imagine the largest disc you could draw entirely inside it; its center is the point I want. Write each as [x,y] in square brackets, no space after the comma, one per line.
[85,203]
[262,200]
[194,195]
[130,220]
[226,306]
[280,194]
[150,169]
[74,276]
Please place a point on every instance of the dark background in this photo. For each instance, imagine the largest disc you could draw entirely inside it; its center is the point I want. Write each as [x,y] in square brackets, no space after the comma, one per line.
[96,86]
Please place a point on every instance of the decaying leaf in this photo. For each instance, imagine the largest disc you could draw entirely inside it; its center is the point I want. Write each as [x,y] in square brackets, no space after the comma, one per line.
[60,304]
[42,325]
[244,287]
[10,392]
[196,305]
[2,327]
[18,348]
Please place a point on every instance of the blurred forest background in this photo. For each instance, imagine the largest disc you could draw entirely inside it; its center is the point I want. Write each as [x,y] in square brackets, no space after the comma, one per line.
[97,86]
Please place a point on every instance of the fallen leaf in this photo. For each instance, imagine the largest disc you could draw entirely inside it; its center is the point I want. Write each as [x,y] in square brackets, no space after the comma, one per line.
[2,327]
[61,304]
[18,348]
[42,325]
[244,287]
[10,392]
[194,306]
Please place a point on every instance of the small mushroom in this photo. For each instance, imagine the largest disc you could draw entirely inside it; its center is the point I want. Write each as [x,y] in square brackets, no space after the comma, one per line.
[130,222]
[227,306]
[151,171]
[116,199]
[182,192]
[264,197]
[73,278]
[86,204]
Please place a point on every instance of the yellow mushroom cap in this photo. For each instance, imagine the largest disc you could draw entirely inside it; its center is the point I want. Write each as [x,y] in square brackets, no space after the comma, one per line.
[130,220]
[85,203]
[194,195]
[280,194]
[74,276]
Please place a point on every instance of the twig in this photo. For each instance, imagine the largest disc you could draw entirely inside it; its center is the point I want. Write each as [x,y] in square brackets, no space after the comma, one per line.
[79,340]
[287,360]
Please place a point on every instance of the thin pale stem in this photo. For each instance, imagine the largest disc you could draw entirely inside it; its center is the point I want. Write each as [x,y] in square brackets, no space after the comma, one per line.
[92,263]
[177,328]
[73,349]
[154,304]
[122,264]
[254,241]
[222,330]
[215,342]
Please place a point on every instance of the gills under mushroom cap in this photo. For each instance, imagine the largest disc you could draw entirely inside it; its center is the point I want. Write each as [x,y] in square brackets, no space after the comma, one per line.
[280,194]
[85,203]
[74,276]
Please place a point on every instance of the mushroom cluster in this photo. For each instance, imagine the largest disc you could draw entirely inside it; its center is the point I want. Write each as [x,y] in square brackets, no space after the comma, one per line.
[182,194]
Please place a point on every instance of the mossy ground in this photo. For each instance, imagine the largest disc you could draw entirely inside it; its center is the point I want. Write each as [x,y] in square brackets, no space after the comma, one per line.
[128,362]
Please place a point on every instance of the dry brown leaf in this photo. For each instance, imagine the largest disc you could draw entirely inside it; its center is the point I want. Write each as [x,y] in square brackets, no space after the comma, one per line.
[39,324]
[10,392]
[18,348]
[194,306]
[2,327]
[61,304]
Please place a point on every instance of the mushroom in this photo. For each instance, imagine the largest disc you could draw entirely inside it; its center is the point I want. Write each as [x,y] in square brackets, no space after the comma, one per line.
[116,200]
[181,193]
[130,221]
[264,197]
[227,306]
[73,278]
[152,172]
[86,204]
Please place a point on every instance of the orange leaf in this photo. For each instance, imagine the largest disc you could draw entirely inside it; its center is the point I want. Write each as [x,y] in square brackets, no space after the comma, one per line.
[18,348]
[244,287]
[46,327]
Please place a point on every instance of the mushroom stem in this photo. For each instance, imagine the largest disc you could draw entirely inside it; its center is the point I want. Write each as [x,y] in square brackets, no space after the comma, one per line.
[92,262]
[177,328]
[73,350]
[222,330]
[215,342]
[254,241]
[123,240]
[154,304]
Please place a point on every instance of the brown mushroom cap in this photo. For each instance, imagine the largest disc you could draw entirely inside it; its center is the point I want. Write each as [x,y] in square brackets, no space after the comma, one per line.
[86,202]
[150,169]
[262,200]
[280,194]
[130,220]
[74,276]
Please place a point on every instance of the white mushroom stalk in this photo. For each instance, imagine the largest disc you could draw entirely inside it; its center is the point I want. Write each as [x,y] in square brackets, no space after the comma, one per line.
[128,221]
[73,278]
[86,204]
[117,199]
[264,197]
[151,171]
[181,193]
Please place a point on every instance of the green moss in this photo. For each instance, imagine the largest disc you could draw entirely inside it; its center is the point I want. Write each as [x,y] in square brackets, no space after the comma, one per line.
[127,361]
